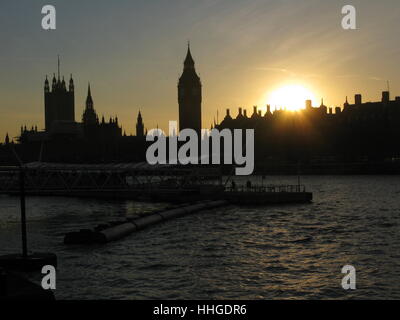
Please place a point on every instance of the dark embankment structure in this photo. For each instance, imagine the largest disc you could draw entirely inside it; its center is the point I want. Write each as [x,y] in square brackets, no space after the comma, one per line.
[16,287]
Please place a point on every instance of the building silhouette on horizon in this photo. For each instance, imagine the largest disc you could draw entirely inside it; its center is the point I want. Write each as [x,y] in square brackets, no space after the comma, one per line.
[189,96]
[359,130]
[94,129]
[59,102]
[60,124]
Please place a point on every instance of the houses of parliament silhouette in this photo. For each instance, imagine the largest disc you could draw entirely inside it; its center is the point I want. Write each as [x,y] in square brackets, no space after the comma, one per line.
[357,132]
[59,106]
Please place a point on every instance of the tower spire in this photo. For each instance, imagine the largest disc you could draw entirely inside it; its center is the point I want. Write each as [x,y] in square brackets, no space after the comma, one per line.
[46,85]
[89,100]
[71,84]
[189,62]
[189,96]
[139,125]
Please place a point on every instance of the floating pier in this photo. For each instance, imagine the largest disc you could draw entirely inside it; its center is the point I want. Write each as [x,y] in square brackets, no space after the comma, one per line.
[144,182]
[116,231]
[255,195]
[203,187]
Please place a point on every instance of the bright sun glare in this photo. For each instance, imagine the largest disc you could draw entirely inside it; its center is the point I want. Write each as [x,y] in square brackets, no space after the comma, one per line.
[292,97]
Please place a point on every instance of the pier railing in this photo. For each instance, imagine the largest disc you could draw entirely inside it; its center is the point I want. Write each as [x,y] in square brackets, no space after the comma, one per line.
[268,188]
[73,178]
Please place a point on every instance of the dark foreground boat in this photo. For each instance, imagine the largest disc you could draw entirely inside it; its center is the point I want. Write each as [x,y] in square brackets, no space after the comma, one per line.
[16,287]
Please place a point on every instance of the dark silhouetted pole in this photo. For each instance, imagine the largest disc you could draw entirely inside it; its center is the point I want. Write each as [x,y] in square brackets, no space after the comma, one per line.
[23,216]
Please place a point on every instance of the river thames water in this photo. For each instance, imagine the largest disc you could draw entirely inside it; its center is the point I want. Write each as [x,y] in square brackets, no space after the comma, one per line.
[271,252]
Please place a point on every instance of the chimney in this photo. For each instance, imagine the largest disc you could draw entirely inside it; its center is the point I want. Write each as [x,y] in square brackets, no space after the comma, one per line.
[308,104]
[385,96]
[358,99]
[255,109]
[338,110]
[268,108]
[240,111]
[228,112]
[245,113]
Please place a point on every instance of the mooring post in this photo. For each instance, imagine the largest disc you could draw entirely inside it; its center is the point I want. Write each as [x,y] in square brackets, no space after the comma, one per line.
[23,214]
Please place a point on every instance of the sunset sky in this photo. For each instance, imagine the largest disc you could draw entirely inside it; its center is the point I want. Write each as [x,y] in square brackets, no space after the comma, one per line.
[132,53]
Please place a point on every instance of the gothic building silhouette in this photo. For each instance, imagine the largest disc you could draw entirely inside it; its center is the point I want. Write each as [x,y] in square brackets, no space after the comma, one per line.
[355,132]
[139,126]
[189,96]
[360,131]
[59,102]
[7,139]
[95,130]
[89,117]
[59,106]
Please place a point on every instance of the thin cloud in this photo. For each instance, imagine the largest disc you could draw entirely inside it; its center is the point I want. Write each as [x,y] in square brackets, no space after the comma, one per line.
[350,76]
[276,70]
[289,72]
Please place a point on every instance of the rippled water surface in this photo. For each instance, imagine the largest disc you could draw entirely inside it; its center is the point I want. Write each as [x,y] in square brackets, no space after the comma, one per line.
[274,252]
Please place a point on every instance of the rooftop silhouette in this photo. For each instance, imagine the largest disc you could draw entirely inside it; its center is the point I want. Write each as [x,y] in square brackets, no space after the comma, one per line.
[359,130]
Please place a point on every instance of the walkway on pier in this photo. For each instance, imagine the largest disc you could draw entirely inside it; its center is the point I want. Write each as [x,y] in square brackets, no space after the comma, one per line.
[87,179]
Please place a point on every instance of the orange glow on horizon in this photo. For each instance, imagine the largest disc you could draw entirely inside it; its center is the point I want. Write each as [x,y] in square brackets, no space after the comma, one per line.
[292,97]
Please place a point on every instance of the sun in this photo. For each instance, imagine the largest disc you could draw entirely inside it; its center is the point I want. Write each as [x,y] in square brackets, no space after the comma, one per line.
[292,97]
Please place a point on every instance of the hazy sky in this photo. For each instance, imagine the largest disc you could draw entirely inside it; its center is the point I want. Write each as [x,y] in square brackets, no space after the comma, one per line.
[132,52]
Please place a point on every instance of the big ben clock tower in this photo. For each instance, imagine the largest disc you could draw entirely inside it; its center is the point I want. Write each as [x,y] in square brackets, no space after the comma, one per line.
[189,97]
